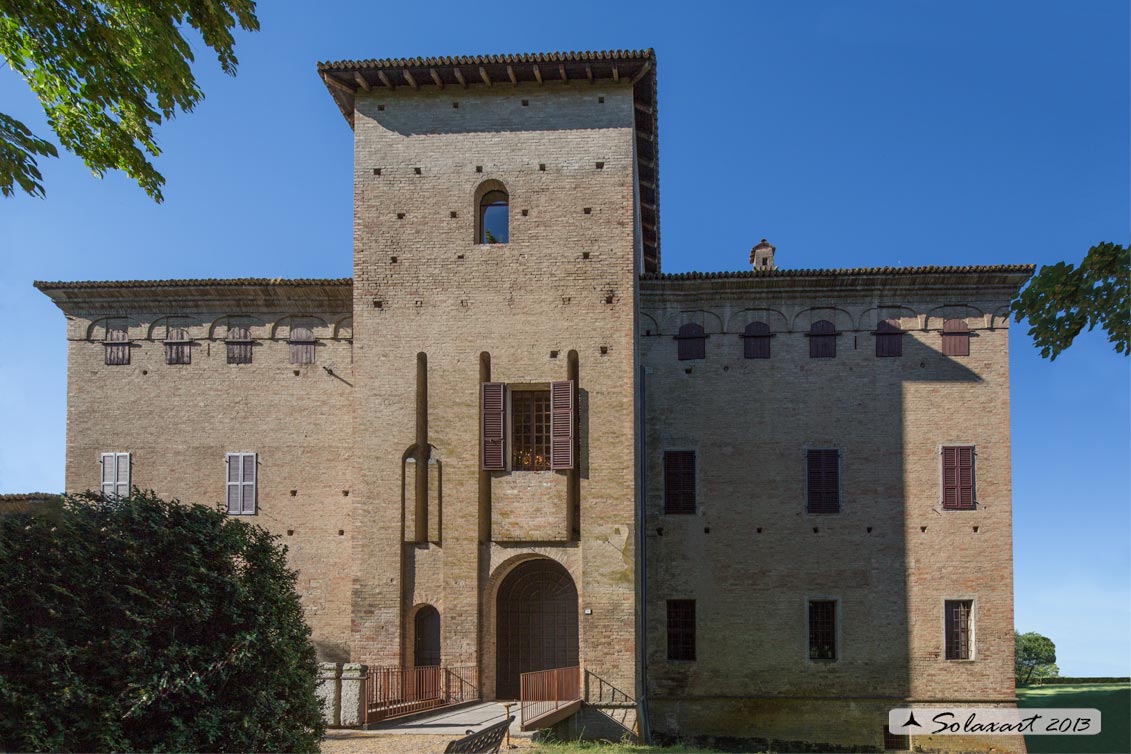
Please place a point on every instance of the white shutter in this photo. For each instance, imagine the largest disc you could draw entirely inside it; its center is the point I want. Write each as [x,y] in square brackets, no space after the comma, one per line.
[108,474]
[247,477]
[123,475]
[233,483]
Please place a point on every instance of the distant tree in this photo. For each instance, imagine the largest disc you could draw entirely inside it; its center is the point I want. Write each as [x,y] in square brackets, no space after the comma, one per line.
[1061,300]
[1033,657]
[107,72]
[145,625]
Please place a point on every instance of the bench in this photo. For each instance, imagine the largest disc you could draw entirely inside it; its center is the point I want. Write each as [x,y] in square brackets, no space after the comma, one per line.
[486,741]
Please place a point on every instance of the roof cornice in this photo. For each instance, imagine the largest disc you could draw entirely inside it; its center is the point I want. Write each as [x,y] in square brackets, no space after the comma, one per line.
[334,294]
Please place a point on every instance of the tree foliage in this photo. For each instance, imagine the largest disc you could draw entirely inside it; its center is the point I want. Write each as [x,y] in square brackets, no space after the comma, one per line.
[107,72]
[145,625]
[1061,300]
[1034,656]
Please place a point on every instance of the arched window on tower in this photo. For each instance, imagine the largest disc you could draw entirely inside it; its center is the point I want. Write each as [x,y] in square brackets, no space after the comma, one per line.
[691,342]
[756,339]
[889,338]
[494,217]
[822,340]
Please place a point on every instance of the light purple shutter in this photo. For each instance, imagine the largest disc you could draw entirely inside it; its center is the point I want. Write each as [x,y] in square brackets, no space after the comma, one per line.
[122,486]
[108,474]
[247,486]
[233,483]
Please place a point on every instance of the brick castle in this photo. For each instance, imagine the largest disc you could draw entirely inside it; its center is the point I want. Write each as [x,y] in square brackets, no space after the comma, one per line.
[769,504]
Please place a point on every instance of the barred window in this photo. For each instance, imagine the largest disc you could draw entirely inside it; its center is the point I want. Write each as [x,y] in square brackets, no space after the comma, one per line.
[822,629]
[896,741]
[117,344]
[302,345]
[958,629]
[239,345]
[530,446]
[178,346]
[681,629]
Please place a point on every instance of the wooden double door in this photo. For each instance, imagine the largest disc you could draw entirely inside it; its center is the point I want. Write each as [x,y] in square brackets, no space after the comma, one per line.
[536,618]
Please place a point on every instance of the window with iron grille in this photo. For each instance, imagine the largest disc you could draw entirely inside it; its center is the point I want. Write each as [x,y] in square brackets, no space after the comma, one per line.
[530,430]
[242,483]
[896,741]
[955,338]
[691,342]
[681,629]
[959,621]
[889,339]
[756,340]
[302,345]
[115,475]
[822,629]
[823,480]
[178,347]
[958,478]
[822,340]
[239,345]
[117,344]
[679,482]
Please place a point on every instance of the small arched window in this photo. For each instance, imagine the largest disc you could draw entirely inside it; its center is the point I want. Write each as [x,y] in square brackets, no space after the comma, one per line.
[239,344]
[178,346]
[889,338]
[302,345]
[494,217]
[756,340]
[955,338]
[692,342]
[822,340]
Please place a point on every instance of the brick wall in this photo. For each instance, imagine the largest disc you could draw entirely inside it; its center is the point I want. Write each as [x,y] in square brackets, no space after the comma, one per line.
[752,556]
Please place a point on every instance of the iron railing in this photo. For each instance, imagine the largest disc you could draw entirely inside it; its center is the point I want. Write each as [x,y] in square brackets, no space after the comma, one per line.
[544,691]
[395,692]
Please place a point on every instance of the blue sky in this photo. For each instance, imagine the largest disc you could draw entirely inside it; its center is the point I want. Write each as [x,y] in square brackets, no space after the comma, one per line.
[849,134]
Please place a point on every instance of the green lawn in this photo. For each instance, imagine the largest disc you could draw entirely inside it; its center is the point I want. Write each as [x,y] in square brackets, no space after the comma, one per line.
[1113,700]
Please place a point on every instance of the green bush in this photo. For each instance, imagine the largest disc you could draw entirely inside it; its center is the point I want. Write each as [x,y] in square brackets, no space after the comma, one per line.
[146,625]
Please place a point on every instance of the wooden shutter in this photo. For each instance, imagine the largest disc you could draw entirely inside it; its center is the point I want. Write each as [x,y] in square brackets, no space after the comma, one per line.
[823,476]
[492,424]
[889,339]
[562,412]
[822,340]
[956,338]
[679,482]
[115,475]
[958,477]
[756,341]
[691,343]
[233,484]
[109,475]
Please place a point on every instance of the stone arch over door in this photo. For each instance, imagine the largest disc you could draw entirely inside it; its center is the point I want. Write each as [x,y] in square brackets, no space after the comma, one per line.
[536,624]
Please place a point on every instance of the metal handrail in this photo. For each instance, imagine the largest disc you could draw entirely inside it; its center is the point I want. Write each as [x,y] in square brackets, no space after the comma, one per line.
[544,691]
[395,691]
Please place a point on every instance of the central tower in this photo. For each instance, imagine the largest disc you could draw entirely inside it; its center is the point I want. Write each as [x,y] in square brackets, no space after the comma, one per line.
[504,208]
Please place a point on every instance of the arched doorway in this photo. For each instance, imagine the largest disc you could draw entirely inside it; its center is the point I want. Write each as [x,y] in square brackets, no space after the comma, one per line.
[426,632]
[536,619]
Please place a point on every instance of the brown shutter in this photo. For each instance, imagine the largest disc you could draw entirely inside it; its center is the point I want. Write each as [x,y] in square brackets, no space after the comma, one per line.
[965,477]
[561,424]
[950,477]
[756,341]
[822,340]
[824,480]
[691,342]
[492,413]
[956,338]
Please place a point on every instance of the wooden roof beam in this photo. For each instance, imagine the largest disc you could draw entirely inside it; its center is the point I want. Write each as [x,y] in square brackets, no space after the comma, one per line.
[361,81]
[589,72]
[436,77]
[616,73]
[643,71]
[562,72]
[538,74]
[484,75]
[337,83]
[459,77]
[386,80]
[511,76]
[409,78]
[643,107]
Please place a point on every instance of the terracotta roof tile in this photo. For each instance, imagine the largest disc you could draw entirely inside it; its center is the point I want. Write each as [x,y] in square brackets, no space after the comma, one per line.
[526,57]
[190,283]
[820,273]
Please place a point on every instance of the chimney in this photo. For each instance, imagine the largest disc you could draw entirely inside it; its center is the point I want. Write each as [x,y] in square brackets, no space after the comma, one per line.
[762,256]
